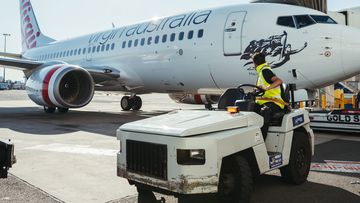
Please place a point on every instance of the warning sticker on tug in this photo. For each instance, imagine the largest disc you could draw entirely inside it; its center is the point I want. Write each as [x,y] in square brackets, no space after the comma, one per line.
[275,160]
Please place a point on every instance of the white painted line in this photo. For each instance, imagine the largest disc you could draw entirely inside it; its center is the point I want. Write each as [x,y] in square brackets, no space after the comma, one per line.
[74,149]
[342,162]
[337,166]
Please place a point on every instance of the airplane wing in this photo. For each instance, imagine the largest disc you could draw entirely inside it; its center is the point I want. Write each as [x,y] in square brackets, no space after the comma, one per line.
[100,74]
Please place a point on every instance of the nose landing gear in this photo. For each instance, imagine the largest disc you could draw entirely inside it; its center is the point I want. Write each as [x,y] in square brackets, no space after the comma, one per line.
[134,102]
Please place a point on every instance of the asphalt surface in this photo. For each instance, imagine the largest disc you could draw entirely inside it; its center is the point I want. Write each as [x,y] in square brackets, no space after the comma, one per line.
[72,157]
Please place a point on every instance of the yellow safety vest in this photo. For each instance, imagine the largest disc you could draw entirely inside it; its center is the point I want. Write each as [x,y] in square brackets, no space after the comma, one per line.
[273,95]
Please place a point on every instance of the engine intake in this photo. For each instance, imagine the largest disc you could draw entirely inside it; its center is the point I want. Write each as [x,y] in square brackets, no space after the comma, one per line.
[61,85]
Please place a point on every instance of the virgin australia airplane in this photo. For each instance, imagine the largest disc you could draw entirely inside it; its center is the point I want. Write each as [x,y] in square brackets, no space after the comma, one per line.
[193,56]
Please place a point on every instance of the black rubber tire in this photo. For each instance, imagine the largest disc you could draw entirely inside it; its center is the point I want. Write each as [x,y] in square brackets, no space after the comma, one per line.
[145,196]
[136,103]
[49,109]
[126,103]
[300,160]
[63,110]
[236,181]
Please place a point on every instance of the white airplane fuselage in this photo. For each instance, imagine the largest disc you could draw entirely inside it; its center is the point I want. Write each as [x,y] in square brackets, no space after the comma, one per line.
[217,57]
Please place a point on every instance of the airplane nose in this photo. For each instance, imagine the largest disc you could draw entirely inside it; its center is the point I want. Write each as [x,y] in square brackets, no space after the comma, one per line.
[350,46]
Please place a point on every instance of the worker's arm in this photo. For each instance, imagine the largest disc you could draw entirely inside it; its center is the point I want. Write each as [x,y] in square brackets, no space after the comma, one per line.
[276,82]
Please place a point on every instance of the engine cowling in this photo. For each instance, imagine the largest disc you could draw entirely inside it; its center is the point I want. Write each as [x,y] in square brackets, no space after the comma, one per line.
[61,85]
[195,98]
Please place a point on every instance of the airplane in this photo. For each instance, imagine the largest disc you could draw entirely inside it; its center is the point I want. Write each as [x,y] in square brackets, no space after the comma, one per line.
[192,57]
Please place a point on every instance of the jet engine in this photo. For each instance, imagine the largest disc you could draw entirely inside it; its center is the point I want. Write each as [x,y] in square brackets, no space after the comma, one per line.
[195,98]
[62,85]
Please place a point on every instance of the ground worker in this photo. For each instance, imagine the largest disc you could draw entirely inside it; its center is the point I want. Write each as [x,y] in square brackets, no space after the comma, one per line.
[271,102]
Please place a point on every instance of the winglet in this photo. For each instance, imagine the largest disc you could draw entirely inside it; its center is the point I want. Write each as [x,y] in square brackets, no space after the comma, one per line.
[32,37]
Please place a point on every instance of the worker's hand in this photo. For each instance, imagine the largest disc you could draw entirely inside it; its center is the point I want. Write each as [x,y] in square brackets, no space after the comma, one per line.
[263,88]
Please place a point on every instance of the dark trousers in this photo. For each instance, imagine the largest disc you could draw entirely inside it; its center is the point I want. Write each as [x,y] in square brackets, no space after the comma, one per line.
[267,111]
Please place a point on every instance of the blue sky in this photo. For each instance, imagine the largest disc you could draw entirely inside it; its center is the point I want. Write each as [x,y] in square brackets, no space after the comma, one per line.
[69,18]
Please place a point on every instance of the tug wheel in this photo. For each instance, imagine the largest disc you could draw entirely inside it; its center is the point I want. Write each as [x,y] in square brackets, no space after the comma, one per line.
[300,160]
[236,182]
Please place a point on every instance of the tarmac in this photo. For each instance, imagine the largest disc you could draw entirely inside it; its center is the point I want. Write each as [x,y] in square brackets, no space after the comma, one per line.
[72,157]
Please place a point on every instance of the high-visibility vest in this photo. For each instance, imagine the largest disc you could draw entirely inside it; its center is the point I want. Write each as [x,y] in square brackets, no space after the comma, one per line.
[273,95]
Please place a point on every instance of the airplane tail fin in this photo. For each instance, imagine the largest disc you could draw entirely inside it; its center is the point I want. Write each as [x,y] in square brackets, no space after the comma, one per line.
[32,37]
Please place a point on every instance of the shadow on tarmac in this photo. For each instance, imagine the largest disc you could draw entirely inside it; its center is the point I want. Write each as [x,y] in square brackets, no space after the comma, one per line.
[33,120]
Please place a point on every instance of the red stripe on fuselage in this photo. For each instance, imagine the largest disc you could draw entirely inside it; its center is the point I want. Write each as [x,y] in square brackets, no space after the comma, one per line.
[198,99]
[45,89]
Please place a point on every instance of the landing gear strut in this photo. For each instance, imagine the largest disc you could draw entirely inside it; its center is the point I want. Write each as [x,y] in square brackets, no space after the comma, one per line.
[133,102]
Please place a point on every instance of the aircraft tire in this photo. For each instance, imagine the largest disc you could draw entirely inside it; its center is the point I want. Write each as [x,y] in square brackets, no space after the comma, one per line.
[63,110]
[137,103]
[126,103]
[49,109]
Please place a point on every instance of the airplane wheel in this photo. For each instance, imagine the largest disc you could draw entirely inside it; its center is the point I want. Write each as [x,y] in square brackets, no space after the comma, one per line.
[49,109]
[126,103]
[63,110]
[137,103]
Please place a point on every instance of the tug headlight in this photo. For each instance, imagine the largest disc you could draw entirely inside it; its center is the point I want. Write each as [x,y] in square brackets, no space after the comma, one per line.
[191,156]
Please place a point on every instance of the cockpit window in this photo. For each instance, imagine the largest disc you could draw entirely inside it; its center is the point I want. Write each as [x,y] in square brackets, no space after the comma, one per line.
[304,20]
[323,19]
[287,21]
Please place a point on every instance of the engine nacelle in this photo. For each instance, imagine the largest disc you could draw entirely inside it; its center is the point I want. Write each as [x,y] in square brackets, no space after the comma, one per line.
[195,98]
[61,85]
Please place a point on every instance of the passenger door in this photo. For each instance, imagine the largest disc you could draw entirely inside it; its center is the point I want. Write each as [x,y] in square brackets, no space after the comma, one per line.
[233,33]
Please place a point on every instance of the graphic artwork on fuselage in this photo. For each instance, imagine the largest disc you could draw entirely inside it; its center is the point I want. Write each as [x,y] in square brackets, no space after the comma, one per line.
[275,48]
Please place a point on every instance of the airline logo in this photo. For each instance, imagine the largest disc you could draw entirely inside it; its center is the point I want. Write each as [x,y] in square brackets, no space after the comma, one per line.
[194,18]
[276,49]
[29,28]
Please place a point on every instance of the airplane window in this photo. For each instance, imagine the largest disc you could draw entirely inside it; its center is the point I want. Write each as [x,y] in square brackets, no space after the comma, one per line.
[98,48]
[323,19]
[157,39]
[79,51]
[89,50]
[93,49]
[287,21]
[130,43]
[149,40]
[142,42]
[172,37]
[84,51]
[136,42]
[181,36]
[304,20]
[201,33]
[75,52]
[112,46]
[67,53]
[190,34]
[124,44]
[103,47]
[164,38]
[107,47]
[71,52]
